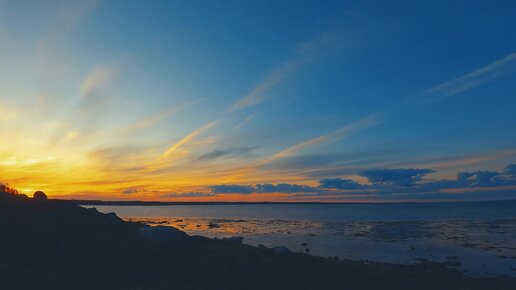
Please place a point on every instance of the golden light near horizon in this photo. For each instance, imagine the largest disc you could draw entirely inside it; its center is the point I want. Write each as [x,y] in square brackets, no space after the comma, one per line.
[93,106]
[56,160]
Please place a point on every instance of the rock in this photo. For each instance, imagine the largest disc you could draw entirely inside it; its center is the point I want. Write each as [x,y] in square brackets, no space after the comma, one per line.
[39,195]
[162,234]
[281,250]
[112,216]
[92,209]
[213,225]
[236,240]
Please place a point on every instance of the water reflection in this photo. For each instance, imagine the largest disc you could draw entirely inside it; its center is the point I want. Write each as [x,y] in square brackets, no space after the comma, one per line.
[481,246]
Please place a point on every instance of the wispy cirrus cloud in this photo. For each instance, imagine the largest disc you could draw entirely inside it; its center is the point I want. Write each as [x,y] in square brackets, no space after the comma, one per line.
[450,88]
[473,79]
[95,97]
[306,53]
[457,162]
[97,80]
[186,139]
[246,121]
[334,136]
[327,138]
[155,118]
[446,89]
[231,152]
[260,93]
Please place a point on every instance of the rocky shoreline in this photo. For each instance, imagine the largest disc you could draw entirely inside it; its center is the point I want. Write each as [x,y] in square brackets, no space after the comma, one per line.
[50,244]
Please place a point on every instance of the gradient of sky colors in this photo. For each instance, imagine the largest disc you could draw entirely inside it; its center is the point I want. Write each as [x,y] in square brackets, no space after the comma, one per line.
[259,100]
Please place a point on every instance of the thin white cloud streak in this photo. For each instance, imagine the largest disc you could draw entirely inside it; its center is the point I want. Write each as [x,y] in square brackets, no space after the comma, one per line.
[306,53]
[334,136]
[186,140]
[328,138]
[246,121]
[273,78]
[472,79]
[447,89]
[468,161]
[155,118]
[94,98]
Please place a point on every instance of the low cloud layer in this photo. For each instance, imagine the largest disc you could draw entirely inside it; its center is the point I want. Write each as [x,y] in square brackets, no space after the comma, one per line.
[409,182]
[488,178]
[130,191]
[338,183]
[261,188]
[283,187]
[232,188]
[396,177]
[189,194]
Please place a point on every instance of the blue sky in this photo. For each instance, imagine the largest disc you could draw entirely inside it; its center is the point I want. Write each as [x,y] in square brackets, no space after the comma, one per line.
[174,99]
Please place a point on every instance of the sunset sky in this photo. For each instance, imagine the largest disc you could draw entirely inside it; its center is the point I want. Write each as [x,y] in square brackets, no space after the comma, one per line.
[259,100]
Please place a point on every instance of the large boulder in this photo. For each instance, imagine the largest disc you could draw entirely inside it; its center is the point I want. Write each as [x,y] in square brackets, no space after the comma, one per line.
[162,234]
[39,195]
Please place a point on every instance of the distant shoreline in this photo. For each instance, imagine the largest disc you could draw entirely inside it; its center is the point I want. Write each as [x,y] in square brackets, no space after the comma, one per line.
[164,203]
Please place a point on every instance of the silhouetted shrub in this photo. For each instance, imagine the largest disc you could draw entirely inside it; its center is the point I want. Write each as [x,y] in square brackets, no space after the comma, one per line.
[7,189]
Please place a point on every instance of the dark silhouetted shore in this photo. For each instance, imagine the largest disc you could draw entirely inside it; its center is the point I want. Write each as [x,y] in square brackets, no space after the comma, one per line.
[51,244]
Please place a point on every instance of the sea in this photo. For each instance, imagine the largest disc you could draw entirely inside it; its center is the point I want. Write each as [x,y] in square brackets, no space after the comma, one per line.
[477,238]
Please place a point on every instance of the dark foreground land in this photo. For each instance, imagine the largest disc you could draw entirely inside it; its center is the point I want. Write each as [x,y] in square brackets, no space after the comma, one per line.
[48,244]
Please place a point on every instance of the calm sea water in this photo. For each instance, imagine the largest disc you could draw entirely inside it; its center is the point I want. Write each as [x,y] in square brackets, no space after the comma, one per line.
[474,237]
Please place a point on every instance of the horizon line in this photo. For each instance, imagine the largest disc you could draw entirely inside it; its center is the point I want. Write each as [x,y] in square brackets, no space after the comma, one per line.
[157,203]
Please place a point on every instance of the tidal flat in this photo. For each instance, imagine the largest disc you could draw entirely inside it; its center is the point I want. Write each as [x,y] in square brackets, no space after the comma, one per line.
[52,244]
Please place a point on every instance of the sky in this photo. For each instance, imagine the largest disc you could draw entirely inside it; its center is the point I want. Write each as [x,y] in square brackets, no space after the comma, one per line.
[330,101]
